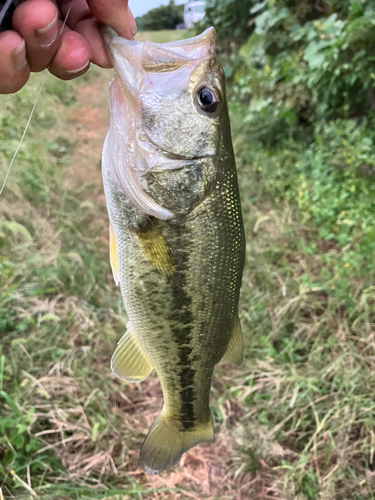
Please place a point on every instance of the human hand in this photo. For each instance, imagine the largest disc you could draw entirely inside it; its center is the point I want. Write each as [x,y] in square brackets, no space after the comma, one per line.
[36,42]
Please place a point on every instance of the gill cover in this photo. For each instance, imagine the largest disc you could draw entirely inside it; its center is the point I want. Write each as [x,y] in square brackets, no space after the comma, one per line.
[160,144]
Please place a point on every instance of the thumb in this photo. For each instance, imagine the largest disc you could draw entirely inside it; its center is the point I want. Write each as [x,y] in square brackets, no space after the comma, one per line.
[115,13]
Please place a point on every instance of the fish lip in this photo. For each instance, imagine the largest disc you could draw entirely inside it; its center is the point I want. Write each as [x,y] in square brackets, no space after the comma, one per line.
[172,156]
[176,157]
[181,159]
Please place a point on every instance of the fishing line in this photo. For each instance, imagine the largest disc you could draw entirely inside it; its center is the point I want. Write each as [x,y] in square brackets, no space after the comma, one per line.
[22,138]
[35,102]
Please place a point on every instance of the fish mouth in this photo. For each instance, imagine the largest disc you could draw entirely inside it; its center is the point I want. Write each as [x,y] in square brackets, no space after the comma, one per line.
[155,156]
[167,161]
[159,57]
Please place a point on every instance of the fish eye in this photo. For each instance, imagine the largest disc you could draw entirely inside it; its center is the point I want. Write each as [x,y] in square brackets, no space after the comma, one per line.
[208,99]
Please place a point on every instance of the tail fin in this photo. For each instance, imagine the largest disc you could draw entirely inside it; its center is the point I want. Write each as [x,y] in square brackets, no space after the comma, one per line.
[166,442]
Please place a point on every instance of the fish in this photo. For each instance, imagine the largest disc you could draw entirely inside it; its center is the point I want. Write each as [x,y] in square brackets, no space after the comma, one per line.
[177,243]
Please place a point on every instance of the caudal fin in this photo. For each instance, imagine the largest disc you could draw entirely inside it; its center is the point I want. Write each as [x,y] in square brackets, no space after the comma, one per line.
[166,442]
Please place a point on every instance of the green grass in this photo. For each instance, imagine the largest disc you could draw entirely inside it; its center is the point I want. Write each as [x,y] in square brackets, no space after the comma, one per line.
[309,386]
[294,422]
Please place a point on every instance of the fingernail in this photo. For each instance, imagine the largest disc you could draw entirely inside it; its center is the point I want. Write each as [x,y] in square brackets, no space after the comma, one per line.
[19,56]
[47,35]
[132,23]
[79,71]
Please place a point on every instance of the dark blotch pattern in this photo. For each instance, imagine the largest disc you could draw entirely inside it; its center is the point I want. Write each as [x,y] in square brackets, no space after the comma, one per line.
[182,321]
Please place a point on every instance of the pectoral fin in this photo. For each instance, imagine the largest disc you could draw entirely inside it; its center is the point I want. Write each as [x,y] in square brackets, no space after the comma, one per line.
[129,361]
[113,255]
[234,352]
[156,249]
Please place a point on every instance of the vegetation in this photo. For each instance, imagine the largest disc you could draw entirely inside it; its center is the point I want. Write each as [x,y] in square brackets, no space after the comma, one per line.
[296,421]
[302,89]
[165,17]
[232,19]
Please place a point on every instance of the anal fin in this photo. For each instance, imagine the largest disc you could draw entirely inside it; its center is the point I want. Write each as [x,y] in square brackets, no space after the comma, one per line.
[129,361]
[234,352]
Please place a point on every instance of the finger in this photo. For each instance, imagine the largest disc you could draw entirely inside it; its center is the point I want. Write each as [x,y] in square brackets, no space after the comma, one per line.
[133,24]
[14,68]
[72,58]
[90,30]
[115,13]
[37,22]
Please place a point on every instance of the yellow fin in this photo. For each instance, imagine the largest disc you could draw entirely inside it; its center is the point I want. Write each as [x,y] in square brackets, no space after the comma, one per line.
[113,255]
[234,352]
[156,250]
[128,361]
[166,442]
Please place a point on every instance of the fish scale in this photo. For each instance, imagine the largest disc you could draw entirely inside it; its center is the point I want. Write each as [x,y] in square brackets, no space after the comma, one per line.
[178,239]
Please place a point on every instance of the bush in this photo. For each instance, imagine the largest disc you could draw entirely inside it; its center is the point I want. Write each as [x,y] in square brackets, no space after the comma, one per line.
[231,18]
[306,78]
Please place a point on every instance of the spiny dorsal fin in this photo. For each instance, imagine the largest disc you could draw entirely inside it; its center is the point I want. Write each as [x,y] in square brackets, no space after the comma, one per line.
[129,362]
[234,352]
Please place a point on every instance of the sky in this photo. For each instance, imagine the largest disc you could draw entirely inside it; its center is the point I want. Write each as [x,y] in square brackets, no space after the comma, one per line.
[140,7]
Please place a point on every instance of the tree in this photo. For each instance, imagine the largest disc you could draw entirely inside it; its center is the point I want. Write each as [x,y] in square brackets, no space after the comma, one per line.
[165,17]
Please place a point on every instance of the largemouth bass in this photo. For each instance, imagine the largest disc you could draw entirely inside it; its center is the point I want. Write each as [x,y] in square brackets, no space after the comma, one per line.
[176,236]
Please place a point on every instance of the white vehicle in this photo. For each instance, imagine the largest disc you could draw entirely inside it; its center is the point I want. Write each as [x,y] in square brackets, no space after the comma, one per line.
[194,12]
